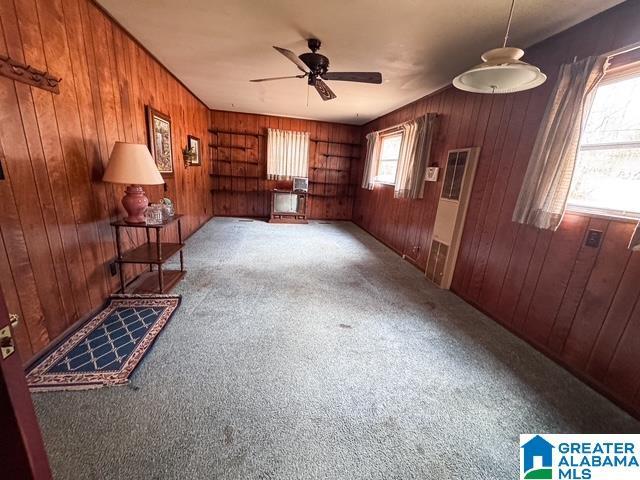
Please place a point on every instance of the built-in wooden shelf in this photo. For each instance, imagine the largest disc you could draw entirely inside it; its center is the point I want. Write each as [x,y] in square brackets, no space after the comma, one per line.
[236,147]
[341,170]
[257,135]
[246,161]
[222,132]
[313,182]
[337,156]
[310,194]
[335,143]
[225,160]
[329,196]
[232,176]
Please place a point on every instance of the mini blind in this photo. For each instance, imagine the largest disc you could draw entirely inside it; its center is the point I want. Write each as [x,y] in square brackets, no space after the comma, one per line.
[287,154]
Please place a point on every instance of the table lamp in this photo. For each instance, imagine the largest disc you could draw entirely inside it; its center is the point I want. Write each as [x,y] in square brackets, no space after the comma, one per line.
[131,164]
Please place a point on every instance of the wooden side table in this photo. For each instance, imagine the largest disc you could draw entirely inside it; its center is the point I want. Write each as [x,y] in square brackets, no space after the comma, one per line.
[152,253]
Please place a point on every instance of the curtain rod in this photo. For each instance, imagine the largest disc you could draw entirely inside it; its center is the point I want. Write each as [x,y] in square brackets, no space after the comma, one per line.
[397,127]
[389,129]
[620,51]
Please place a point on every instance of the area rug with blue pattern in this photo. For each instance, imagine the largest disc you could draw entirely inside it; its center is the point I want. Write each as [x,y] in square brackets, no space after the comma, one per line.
[105,350]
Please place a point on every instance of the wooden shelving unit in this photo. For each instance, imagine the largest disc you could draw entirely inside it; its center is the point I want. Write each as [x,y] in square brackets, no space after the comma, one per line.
[330,171]
[148,253]
[231,161]
[155,253]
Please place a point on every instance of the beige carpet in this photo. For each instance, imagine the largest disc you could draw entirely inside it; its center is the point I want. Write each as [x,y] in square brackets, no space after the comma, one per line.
[314,352]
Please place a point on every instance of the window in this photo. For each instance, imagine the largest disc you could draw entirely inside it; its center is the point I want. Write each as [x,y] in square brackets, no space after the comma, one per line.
[607,174]
[287,154]
[389,154]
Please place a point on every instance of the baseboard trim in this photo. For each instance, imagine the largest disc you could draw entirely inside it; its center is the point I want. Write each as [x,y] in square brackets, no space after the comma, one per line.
[590,382]
[405,257]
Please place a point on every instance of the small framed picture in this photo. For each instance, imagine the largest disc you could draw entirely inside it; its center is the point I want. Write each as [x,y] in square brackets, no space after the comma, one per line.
[159,130]
[193,145]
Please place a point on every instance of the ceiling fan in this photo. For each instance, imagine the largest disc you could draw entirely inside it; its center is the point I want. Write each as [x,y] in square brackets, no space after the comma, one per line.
[315,66]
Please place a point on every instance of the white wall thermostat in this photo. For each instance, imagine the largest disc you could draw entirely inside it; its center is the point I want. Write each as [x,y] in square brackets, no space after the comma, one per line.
[432,174]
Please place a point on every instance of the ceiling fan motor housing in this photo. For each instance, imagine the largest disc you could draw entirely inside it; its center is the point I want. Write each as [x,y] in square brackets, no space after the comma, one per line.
[318,64]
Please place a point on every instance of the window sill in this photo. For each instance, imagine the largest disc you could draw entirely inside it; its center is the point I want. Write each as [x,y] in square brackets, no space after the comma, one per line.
[603,214]
[386,184]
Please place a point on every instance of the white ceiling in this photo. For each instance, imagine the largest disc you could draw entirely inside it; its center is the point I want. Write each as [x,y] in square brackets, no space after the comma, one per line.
[215,47]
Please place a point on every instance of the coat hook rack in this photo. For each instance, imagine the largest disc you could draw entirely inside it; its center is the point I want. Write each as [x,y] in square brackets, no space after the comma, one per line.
[27,74]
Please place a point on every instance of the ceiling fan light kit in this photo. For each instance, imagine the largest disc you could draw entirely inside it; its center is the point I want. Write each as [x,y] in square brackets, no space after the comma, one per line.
[502,71]
[315,68]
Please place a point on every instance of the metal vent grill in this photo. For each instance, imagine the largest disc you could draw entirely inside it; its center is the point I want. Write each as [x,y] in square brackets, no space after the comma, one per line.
[456,164]
[436,263]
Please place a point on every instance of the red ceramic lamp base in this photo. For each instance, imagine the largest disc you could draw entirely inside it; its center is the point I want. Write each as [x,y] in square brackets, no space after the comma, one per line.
[135,202]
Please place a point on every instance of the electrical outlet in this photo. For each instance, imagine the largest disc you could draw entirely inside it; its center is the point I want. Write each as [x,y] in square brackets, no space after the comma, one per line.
[594,237]
[113,268]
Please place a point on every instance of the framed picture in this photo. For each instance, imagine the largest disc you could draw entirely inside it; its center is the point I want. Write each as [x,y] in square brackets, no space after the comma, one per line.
[159,129]
[193,144]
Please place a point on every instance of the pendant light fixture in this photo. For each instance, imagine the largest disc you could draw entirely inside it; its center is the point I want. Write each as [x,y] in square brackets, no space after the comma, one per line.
[502,71]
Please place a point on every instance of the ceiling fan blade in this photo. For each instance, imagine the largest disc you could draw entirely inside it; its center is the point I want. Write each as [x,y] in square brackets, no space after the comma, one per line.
[276,78]
[363,77]
[324,91]
[292,56]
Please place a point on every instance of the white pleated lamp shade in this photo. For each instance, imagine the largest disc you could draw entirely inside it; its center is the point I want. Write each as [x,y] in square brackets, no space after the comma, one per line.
[502,71]
[132,164]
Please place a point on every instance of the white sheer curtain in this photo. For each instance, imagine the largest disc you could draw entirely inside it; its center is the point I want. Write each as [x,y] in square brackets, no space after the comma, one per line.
[634,243]
[371,160]
[415,153]
[544,193]
[287,154]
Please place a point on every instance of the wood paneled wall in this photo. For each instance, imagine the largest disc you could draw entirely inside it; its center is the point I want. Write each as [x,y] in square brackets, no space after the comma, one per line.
[577,304]
[56,242]
[239,175]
